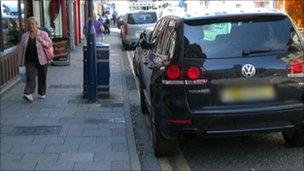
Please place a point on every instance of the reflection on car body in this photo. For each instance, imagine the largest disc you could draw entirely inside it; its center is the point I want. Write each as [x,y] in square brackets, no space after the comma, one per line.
[221,74]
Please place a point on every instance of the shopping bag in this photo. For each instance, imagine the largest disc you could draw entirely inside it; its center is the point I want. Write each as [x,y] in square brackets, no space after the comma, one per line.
[22,73]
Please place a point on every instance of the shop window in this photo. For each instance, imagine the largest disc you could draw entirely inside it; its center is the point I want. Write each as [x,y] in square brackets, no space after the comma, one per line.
[54,28]
[10,22]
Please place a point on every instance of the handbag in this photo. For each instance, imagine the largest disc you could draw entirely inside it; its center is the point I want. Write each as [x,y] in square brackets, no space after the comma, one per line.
[49,53]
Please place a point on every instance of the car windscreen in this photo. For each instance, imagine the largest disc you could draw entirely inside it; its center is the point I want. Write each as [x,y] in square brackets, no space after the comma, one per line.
[235,37]
[142,18]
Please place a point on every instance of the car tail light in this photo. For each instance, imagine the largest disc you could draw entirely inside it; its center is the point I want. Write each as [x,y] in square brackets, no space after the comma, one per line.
[296,66]
[173,72]
[193,72]
[126,29]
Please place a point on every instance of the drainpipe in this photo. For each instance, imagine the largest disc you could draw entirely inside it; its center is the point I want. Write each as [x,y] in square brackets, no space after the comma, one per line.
[71,25]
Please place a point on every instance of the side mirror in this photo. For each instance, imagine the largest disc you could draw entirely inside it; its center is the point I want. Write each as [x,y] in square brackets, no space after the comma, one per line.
[144,44]
[145,40]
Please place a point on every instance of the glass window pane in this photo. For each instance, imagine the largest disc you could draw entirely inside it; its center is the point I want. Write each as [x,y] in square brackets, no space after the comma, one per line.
[53,17]
[10,23]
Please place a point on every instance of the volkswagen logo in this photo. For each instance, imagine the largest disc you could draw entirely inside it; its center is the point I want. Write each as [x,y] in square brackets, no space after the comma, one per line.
[248,70]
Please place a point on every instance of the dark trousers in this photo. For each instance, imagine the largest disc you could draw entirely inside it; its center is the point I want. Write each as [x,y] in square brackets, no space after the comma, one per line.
[32,70]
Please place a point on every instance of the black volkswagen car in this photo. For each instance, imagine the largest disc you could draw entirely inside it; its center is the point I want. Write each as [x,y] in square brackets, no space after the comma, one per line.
[219,74]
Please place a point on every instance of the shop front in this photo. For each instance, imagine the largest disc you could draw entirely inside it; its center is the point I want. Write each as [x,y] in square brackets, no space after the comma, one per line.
[54,20]
[12,26]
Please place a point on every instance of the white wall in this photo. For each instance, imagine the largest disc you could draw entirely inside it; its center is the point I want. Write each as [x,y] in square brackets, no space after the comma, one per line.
[82,18]
[36,11]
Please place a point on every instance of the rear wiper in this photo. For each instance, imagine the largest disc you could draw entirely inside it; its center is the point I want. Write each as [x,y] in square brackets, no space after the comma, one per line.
[266,50]
[248,52]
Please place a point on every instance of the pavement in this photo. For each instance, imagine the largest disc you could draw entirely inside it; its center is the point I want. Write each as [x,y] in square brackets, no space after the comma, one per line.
[65,131]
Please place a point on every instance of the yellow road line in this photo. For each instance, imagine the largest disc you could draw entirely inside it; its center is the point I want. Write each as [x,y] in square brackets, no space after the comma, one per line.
[130,59]
[164,164]
[181,163]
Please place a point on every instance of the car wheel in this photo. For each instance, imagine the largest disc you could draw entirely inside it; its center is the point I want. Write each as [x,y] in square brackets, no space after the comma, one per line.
[143,104]
[161,145]
[294,138]
[135,67]
[125,46]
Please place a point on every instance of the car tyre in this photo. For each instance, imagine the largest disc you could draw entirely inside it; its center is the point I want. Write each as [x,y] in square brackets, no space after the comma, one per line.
[294,138]
[161,145]
[144,108]
[125,46]
[135,67]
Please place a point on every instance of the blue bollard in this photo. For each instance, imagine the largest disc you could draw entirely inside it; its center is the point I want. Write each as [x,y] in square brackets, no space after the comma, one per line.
[91,57]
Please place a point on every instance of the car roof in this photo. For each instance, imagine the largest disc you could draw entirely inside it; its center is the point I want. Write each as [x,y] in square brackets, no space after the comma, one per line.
[209,14]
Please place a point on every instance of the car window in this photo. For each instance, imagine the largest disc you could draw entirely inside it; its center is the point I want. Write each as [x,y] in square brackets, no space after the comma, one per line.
[231,38]
[213,30]
[142,18]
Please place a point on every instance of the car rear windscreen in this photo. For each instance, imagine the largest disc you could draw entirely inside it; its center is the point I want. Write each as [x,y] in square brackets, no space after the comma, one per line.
[235,36]
[142,18]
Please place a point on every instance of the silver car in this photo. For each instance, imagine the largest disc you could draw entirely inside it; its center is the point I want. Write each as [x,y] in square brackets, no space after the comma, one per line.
[133,24]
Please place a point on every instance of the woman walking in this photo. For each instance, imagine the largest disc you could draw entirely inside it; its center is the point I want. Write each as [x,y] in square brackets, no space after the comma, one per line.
[32,55]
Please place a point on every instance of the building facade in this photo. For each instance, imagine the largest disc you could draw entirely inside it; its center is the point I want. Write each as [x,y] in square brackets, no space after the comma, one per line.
[295,10]
[60,18]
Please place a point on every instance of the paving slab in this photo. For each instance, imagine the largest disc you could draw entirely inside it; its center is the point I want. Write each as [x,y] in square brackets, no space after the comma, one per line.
[111,156]
[75,157]
[11,157]
[49,140]
[97,132]
[103,148]
[46,157]
[21,148]
[121,165]
[80,140]
[7,140]
[5,148]
[101,165]
[55,166]
[60,148]
[18,165]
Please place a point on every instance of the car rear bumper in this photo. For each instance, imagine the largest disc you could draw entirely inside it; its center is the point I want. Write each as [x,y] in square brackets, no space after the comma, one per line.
[225,124]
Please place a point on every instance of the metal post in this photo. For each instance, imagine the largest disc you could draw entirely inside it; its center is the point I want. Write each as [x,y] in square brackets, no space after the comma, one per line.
[91,54]
[71,24]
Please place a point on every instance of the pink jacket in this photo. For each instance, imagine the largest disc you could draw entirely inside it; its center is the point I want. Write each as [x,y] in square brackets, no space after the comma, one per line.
[42,40]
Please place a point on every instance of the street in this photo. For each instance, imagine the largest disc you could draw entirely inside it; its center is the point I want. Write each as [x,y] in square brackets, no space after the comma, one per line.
[156,85]
[91,133]
[252,152]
